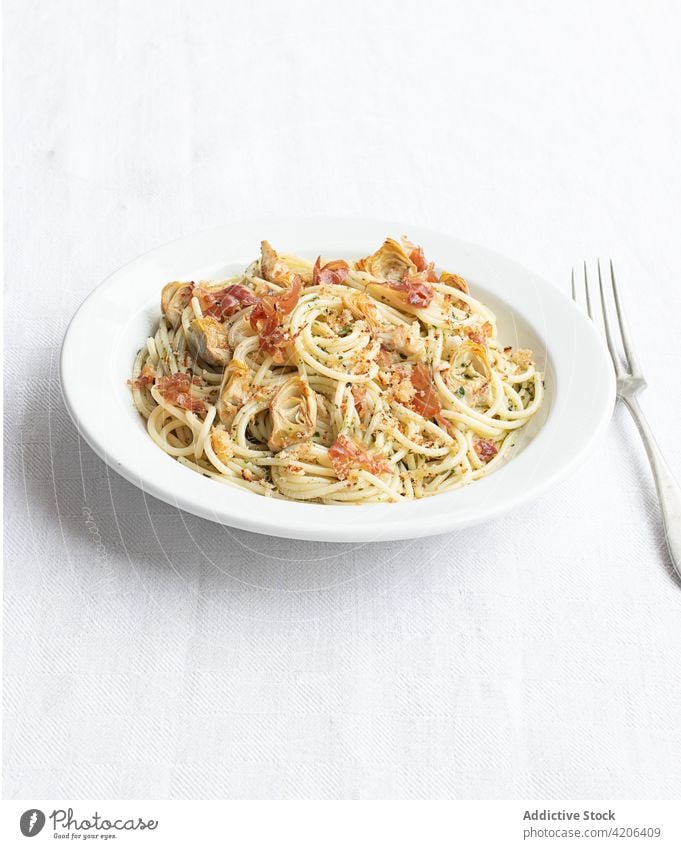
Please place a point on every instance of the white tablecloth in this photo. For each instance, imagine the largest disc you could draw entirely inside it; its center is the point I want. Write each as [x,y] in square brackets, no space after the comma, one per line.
[537,656]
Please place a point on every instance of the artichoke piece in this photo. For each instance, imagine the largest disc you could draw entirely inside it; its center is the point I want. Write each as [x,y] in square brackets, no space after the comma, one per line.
[390,262]
[207,338]
[294,413]
[455,281]
[234,392]
[470,374]
[272,266]
[362,307]
[174,298]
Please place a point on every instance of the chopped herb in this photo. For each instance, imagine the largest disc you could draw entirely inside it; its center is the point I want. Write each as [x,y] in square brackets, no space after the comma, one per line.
[460,391]
[345,331]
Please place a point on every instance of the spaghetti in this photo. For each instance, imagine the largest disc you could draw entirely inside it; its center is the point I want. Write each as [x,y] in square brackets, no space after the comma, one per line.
[334,382]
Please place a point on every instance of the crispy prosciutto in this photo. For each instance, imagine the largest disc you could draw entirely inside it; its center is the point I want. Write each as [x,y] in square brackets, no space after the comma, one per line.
[271,309]
[267,316]
[277,344]
[176,388]
[332,273]
[146,377]
[346,455]
[479,335]
[415,289]
[417,256]
[485,449]
[225,302]
[426,401]
[476,335]
[422,266]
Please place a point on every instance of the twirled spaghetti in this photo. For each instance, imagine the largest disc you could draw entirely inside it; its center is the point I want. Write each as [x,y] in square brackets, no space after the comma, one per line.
[335,382]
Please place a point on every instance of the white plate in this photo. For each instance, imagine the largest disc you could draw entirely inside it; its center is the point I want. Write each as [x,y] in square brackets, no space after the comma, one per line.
[112,324]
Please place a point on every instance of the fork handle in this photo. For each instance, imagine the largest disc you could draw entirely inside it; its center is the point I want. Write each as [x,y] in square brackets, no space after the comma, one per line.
[668,490]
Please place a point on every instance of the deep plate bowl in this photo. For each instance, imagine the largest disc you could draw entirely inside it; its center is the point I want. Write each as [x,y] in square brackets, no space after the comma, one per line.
[112,324]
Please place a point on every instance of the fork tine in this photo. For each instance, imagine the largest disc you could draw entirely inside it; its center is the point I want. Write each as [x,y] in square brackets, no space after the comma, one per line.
[572,286]
[586,289]
[608,332]
[624,328]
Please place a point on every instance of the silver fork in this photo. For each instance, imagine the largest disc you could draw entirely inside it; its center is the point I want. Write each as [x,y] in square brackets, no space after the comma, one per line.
[630,382]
